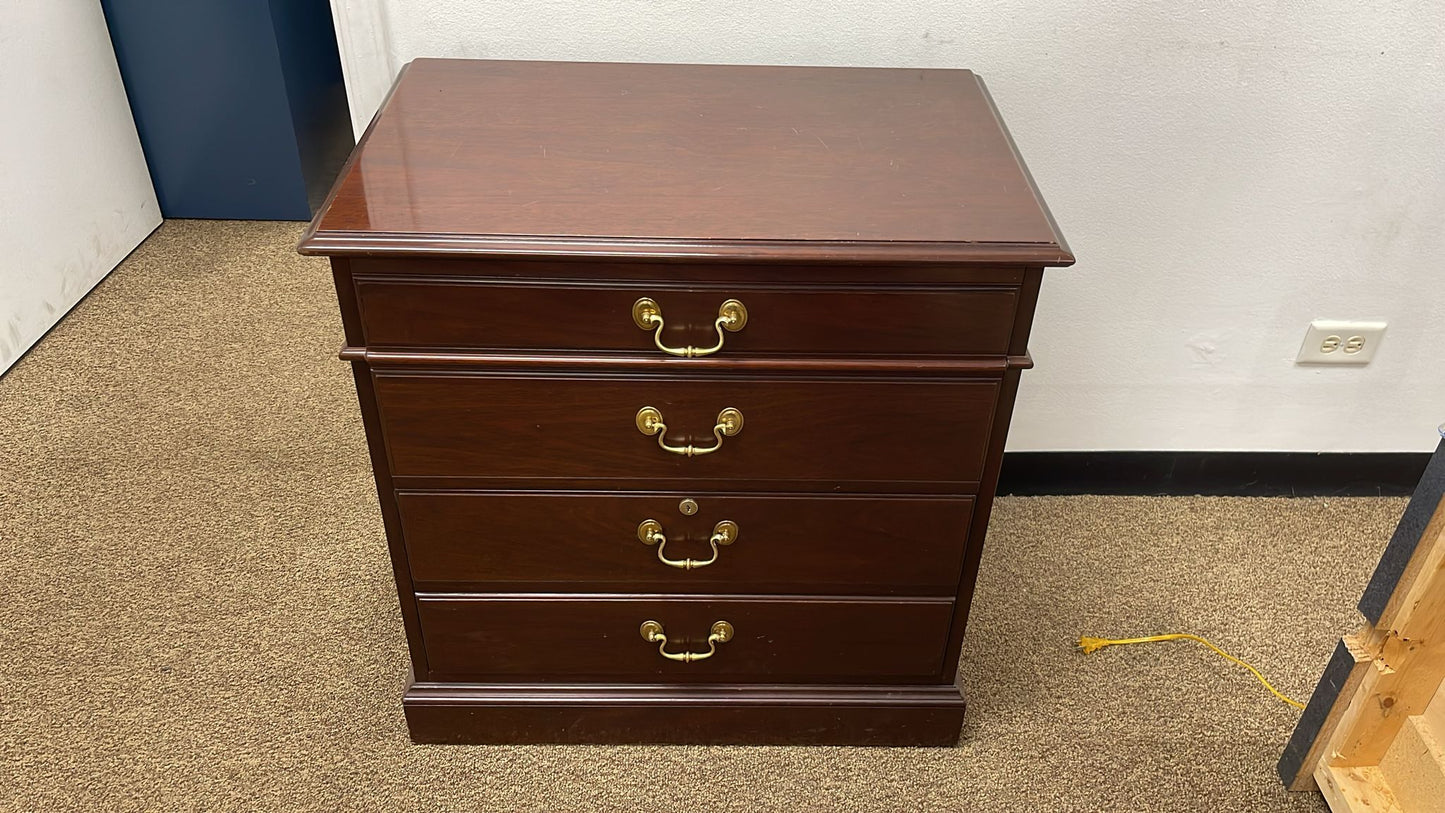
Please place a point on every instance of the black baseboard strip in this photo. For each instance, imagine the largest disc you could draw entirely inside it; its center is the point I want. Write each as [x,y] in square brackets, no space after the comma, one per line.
[1242,474]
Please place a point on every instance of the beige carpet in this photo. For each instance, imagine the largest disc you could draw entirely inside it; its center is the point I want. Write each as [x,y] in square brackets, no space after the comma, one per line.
[198,614]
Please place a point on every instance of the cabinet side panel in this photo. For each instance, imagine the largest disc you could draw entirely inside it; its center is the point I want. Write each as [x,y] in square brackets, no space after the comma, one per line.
[983,506]
[381,470]
[993,462]
[1024,316]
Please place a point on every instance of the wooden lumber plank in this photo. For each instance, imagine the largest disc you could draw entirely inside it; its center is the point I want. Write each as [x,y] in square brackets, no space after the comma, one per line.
[1356,790]
[1435,712]
[1414,768]
[1353,678]
[1408,658]
[1321,715]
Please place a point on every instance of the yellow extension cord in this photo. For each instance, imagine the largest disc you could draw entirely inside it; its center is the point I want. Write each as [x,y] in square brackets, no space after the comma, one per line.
[1089,645]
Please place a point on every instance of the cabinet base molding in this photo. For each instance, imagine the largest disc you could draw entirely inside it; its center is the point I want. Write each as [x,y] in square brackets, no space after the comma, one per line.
[748,714]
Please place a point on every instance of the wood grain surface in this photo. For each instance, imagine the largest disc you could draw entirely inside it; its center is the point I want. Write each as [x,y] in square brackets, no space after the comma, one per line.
[548,157]
[684,714]
[469,313]
[778,639]
[810,429]
[479,540]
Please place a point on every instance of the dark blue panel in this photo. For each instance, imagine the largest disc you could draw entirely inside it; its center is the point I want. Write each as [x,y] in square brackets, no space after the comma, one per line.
[311,65]
[208,88]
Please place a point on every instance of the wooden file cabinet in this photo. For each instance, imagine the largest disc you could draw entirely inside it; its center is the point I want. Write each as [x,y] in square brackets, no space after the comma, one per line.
[686,389]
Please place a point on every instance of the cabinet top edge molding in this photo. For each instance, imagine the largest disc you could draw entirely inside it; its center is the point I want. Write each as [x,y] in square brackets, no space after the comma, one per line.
[743,162]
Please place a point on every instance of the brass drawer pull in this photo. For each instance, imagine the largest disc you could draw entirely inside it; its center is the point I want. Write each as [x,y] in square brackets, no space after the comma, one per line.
[649,422]
[722,632]
[731,316]
[650,532]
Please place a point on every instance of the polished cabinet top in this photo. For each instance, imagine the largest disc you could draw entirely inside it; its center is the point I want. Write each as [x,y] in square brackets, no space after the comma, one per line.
[480,157]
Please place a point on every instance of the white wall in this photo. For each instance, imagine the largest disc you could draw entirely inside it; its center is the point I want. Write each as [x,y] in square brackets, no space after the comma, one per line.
[1225,172]
[75,196]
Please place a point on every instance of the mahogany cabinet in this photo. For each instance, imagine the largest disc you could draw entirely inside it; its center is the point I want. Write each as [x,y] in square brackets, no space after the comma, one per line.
[686,389]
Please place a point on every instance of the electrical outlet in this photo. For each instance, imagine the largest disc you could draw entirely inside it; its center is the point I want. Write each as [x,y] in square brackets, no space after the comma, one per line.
[1330,341]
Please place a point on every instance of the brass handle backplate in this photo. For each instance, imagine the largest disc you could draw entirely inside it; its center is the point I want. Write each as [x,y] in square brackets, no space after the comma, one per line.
[722,632]
[649,422]
[731,316]
[650,532]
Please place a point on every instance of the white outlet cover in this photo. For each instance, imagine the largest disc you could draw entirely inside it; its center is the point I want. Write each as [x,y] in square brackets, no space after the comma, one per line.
[1334,341]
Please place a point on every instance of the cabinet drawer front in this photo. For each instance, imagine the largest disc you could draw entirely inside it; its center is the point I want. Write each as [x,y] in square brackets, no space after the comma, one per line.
[471,314]
[829,544]
[594,637]
[830,430]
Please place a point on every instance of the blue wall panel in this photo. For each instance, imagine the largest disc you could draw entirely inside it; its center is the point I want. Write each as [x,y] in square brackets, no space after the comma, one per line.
[239,103]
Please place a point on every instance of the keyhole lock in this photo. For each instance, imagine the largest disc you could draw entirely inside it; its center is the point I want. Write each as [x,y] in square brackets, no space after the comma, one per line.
[688,507]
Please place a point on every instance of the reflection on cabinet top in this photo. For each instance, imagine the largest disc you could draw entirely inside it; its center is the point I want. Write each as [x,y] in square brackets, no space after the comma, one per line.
[803,164]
